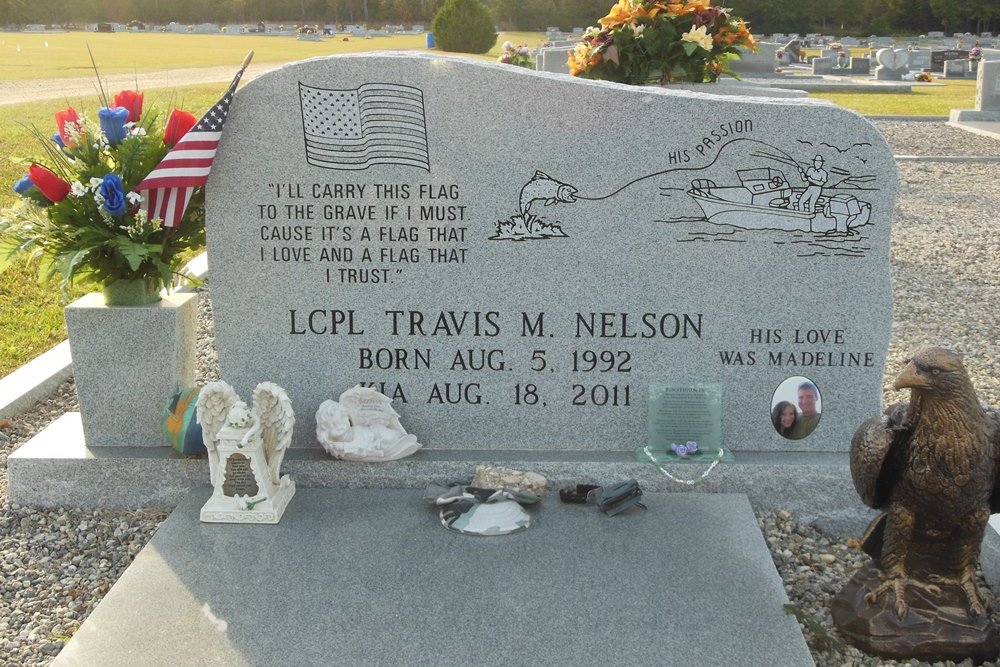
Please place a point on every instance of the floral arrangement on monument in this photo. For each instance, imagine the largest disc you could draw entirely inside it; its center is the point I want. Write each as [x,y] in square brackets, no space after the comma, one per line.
[516,55]
[643,41]
[924,77]
[976,53]
[117,199]
[79,214]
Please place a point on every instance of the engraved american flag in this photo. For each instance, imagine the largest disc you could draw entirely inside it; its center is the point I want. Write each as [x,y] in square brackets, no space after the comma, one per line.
[376,123]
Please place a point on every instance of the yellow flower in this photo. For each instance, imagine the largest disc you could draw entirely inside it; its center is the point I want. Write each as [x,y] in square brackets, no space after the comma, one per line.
[622,13]
[698,36]
[581,59]
[680,8]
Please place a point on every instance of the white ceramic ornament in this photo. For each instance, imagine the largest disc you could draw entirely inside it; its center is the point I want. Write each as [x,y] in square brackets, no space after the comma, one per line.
[363,427]
[245,450]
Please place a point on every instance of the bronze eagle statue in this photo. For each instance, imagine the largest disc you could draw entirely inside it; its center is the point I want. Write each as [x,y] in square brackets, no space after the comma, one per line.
[931,467]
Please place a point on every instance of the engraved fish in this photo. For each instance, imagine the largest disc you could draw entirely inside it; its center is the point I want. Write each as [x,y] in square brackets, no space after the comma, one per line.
[542,186]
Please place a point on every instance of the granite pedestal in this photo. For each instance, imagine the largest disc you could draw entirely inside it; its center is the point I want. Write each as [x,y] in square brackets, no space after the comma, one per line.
[128,361]
[355,577]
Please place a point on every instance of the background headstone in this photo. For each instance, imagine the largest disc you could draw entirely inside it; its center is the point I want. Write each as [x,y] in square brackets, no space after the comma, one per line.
[761,62]
[939,57]
[956,69]
[822,65]
[893,64]
[554,59]
[988,86]
[419,256]
[861,66]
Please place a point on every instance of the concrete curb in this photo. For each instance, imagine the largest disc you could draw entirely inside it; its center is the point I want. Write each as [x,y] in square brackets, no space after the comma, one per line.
[919,119]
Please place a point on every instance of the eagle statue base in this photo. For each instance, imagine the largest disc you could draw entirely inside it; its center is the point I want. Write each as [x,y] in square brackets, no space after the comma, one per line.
[937,626]
[932,468]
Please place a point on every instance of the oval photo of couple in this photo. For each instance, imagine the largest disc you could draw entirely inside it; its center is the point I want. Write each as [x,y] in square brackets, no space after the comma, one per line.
[796,408]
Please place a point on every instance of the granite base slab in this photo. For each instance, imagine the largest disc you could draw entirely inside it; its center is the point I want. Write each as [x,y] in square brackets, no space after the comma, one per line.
[369,577]
[57,469]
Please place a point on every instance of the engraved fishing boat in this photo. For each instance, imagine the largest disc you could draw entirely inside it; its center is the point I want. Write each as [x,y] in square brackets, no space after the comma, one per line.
[765,200]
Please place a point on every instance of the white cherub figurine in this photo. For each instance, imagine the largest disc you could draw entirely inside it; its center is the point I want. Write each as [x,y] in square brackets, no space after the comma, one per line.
[363,427]
[246,447]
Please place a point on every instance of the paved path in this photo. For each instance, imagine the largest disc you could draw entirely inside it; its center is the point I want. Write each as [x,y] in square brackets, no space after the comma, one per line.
[16,92]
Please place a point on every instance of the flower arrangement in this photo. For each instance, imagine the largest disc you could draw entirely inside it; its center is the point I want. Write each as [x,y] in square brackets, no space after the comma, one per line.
[924,77]
[976,53]
[79,216]
[648,41]
[516,55]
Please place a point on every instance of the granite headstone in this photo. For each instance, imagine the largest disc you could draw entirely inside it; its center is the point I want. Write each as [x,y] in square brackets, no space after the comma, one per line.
[822,65]
[938,58]
[515,257]
[988,86]
[893,64]
[956,69]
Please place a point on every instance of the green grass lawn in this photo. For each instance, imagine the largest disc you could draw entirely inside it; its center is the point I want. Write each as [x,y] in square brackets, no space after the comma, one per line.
[31,319]
[26,56]
[923,101]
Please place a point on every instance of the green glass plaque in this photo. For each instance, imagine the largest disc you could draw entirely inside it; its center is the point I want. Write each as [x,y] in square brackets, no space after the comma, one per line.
[679,413]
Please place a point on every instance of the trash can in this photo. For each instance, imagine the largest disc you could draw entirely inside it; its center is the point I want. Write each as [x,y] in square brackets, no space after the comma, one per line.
[430,40]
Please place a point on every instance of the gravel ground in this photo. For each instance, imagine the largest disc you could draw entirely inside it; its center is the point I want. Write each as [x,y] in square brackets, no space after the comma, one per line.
[57,564]
[935,138]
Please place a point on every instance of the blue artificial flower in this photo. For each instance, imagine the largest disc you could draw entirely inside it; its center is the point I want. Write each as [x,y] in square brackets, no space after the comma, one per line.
[113,124]
[23,185]
[57,139]
[690,447]
[114,195]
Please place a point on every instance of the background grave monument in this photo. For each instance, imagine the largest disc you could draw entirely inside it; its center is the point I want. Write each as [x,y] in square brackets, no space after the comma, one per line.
[987,96]
[508,295]
[893,64]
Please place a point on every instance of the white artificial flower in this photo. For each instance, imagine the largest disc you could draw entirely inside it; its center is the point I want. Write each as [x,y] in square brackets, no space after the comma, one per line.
[637,30]
[78,189]
[507,46]
[133,197]
[698,36]
[94,183]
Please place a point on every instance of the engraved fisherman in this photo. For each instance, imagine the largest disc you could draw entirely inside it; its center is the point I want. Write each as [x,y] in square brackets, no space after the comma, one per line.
[816,176]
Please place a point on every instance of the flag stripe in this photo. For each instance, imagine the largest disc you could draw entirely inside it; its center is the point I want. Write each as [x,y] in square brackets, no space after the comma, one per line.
[169,187]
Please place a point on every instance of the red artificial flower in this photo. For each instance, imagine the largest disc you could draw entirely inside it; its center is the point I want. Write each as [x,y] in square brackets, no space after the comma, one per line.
[64,118]
[131,100]
[177,126]
[54,188]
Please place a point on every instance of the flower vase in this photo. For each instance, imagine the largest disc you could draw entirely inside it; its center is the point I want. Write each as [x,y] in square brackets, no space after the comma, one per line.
[131,292]
[128,362]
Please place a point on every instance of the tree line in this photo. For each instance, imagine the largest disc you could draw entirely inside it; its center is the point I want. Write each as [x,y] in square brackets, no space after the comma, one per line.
[838,17]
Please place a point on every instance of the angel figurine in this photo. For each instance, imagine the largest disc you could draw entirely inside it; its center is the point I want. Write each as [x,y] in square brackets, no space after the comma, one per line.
[245,450]
[363,427]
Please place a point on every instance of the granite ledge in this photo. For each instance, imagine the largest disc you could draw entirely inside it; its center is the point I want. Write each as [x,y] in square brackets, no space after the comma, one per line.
[56,468]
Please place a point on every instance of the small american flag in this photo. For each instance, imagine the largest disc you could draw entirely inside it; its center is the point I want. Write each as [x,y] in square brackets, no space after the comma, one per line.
[376,123]
[185,168]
